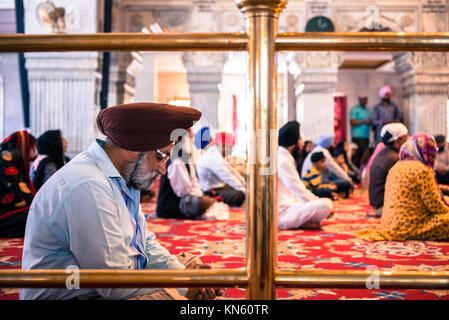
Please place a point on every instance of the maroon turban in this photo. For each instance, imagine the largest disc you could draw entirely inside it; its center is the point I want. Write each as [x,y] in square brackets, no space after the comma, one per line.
[144,126]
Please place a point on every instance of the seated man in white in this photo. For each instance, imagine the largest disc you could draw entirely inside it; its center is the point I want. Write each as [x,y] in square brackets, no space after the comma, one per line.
[216,176]
[297,206]
[180,195]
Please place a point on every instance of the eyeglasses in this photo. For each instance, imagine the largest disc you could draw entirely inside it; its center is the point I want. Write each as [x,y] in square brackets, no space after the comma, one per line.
[163,155]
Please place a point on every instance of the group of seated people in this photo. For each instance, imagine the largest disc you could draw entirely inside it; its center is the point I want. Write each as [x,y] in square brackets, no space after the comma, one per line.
[23,172]
[89,208]
[206,188]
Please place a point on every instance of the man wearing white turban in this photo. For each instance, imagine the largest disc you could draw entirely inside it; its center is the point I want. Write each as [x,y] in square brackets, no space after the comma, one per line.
[394,135]
[385,111]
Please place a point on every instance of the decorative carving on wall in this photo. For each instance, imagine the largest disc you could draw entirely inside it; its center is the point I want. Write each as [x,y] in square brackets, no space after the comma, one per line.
[173,20]
[435,59]
[231,21]
[354,20]
[136,23]
[407,20]
[73,18]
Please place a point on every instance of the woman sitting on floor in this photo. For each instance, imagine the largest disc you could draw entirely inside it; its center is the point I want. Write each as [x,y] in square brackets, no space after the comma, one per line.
[51,146]
[16,189]
[414,207]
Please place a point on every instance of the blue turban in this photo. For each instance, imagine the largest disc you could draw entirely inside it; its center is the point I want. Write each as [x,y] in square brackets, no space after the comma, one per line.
[326,140]
[202,138]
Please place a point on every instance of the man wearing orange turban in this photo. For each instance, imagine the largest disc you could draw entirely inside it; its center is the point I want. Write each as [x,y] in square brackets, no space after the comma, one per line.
[88,216]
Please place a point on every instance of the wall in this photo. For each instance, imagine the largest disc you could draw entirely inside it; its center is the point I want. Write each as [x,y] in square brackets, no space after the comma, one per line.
[170,85]
[12,113]
[352,82]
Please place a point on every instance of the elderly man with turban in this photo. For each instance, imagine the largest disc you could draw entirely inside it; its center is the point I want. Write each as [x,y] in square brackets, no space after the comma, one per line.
[394,135]
[385,111]
[298,207]
[216,175]
[333,173]
[88,215]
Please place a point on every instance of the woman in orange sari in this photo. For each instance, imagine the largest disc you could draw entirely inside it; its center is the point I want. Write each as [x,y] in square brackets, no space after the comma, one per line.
[16,189]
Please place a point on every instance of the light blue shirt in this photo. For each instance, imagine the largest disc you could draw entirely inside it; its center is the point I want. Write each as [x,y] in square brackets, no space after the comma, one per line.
[80,218]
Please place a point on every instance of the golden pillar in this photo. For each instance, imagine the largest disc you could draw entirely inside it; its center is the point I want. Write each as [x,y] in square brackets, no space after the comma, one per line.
[261,28]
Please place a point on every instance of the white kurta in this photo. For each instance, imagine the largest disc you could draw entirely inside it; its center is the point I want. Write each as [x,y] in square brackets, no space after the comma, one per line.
[182,182]
[214,172]
[296,204]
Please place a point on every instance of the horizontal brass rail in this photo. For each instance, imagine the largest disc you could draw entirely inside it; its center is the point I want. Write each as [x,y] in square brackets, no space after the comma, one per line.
[363,41]
[359,41]
[123,42]
[332,279]
[99,278]
[357,279]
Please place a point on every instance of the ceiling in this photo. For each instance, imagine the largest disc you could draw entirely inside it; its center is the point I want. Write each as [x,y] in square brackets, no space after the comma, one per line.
[379,61]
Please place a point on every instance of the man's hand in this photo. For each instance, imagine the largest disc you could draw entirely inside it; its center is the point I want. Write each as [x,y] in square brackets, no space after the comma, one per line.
[333,187]
[203,293]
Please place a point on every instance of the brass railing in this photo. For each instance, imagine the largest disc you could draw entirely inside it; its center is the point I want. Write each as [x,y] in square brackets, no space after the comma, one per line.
[100,278]
[261,40]
[335,41]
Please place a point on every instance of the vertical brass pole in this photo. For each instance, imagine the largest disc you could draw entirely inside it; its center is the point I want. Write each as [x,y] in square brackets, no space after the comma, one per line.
[261,18]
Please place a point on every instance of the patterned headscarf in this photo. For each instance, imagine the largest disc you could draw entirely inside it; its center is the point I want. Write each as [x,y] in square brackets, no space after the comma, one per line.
[423,148]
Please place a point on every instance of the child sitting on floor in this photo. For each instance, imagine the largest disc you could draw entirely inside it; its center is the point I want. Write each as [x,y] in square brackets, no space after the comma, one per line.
[313,181]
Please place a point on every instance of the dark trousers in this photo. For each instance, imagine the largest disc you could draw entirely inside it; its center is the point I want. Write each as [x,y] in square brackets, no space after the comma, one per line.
[14,227]
[443,178]
[323,193]
[230,196]
[342,185]
[362,146]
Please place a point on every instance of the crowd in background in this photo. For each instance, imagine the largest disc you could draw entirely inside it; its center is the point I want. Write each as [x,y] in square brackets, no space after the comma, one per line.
[202,180]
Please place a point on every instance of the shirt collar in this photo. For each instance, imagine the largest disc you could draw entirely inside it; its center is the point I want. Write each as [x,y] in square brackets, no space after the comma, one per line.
[284,150]
[102,159]
[107,167]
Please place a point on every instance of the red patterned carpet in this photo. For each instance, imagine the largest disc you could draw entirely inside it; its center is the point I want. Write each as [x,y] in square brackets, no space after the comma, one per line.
[222,245]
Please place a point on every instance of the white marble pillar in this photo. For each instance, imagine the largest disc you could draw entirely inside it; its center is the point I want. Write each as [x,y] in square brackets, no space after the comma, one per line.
[204,69]
[64,87]
[145,80]
[315,77]
[62,96]
[204,94]
[425,78]
[123,72]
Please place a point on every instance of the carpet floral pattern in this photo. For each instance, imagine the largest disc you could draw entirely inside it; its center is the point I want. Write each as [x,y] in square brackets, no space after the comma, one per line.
[221,244]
